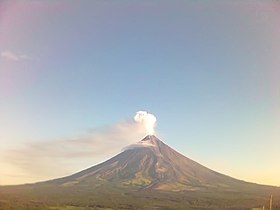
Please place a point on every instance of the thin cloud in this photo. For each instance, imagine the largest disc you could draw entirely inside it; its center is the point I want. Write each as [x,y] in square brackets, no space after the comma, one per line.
[25,57]
[8,55]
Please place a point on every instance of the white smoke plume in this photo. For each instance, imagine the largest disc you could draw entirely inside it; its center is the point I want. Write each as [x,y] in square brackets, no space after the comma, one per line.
[148,120]
[42,160]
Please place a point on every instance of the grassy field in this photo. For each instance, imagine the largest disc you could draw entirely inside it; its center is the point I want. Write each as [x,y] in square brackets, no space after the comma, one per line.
[78,208]
[85,201]
[110,196]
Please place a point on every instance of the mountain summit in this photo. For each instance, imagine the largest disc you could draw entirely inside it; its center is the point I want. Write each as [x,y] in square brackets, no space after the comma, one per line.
[151,164]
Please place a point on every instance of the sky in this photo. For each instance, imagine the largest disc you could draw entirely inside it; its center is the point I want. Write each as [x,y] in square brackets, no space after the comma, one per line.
[74,73]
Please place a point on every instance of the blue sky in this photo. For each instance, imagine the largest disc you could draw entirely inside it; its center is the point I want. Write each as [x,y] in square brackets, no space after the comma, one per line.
[208,70]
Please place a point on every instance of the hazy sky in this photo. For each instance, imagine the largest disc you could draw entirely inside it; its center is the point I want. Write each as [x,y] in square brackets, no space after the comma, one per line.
[73,74]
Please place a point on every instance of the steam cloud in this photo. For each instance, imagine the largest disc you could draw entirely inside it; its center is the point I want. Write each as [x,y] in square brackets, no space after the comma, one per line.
[42,160]
[148,120]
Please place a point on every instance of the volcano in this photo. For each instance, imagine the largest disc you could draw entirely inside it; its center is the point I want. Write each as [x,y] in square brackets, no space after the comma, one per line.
[145,175]
[151,164]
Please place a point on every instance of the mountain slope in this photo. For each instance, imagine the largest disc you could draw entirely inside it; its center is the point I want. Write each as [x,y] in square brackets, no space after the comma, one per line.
[151,164]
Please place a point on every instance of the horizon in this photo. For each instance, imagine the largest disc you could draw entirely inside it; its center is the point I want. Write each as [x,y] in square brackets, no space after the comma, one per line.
[73,75]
